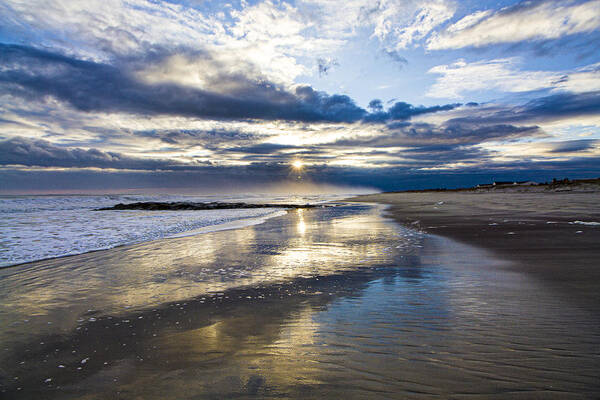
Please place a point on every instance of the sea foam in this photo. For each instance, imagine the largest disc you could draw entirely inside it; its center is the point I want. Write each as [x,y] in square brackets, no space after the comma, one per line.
[40,227]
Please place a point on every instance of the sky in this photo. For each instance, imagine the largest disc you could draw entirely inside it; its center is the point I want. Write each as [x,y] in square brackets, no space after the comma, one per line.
[198,96]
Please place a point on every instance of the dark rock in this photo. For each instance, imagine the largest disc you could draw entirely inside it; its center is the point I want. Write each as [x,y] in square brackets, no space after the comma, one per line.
[181,205]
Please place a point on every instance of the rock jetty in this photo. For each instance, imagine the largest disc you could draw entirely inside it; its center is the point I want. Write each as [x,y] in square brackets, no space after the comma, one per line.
[180,205]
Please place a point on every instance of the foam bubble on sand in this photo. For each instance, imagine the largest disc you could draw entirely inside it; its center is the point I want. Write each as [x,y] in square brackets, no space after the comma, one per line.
[589,223]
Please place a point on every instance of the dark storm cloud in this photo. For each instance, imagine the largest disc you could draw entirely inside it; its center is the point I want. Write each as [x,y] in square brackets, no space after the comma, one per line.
[574,146]
[263,148]
[561,106]
[194,137]
[424,146]
[440,154]
[88,86]
[315,157]
[582,166]
[547,108]
[418,135]
[40,153]
[376,106]
[414,159]
[403,111]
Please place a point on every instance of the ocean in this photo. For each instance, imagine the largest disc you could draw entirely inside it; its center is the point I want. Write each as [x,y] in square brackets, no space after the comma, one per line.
[34,228]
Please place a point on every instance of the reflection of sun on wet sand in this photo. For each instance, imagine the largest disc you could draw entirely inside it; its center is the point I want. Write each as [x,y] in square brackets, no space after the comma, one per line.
[554,234]
[337,302]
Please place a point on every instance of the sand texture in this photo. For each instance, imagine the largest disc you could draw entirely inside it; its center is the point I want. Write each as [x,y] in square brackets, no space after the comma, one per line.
[555,235]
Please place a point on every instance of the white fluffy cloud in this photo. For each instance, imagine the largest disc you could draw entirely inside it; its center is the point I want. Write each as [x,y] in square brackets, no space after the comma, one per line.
[504,75]
[526,21]
[427,17]
[274,40]
[271,36]
[395,23]
[104,27]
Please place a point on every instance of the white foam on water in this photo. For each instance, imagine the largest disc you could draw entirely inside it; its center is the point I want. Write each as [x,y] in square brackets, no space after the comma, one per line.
[589,223]
[232,225]
[40,227]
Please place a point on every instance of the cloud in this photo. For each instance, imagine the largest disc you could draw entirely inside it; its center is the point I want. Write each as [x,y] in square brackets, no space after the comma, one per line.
[389,28]
[89,86]
[376,106]
[454,133]
[175,94]
[401,111]
[505,75]
[578,166]
[559,106]
[255,177]
[396,25]
[422,145]
[528,20]
[428,18]
[195,137]
[545,109]
[325,64]
[41,153]
[102,28]
[263,148]
[395,56]
[273,36]
[571,146]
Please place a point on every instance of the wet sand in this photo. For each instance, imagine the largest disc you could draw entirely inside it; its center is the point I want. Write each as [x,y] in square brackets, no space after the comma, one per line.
[537,231]
[323,303]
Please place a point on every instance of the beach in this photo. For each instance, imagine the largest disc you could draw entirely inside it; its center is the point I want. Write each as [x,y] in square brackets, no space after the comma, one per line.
[318,303]
[299,200]
[553,235]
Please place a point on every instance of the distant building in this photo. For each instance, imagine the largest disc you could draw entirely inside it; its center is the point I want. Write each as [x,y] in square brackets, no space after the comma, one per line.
[497,183]
[527,183]
[505,183]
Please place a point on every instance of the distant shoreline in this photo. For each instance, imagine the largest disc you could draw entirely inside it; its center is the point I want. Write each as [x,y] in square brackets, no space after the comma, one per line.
[566,185]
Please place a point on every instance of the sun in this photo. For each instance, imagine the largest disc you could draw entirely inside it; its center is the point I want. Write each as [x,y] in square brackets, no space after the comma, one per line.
[297,165]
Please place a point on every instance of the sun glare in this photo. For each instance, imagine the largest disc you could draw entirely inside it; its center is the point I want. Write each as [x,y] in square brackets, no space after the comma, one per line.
[297,165]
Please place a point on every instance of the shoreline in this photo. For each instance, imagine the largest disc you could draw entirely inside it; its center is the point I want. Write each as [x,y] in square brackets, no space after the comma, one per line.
[268,310]
[233,224]
[540,233]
